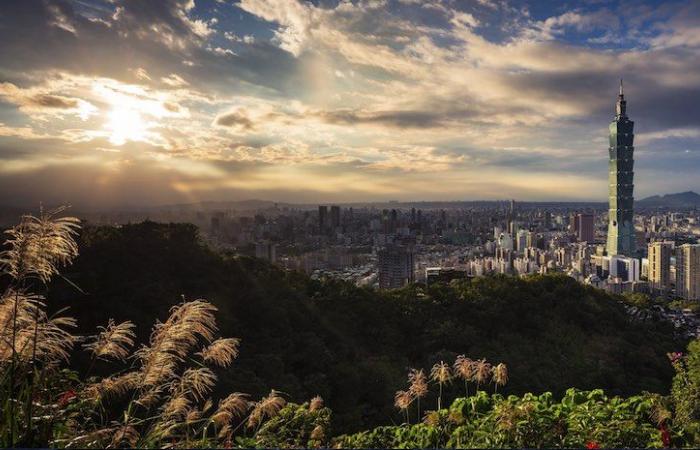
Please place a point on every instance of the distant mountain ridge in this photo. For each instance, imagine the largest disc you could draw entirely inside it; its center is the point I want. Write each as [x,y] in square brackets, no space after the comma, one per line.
[688,199]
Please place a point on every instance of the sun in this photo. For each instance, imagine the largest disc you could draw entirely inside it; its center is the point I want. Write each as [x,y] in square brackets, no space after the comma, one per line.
[126,124]
[134,113]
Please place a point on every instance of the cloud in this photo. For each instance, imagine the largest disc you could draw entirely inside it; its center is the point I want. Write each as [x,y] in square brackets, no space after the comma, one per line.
[247,39]
[52,101]
[579,21]
[410,119]
[463,19]
[20,132]
[672,133]
[301,92]
[235,119]
[295,19]
[37,102]
[681,30]
[116,39]
[174,80]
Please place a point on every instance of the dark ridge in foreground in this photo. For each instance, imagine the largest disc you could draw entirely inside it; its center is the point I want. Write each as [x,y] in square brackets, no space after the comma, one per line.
[352,345]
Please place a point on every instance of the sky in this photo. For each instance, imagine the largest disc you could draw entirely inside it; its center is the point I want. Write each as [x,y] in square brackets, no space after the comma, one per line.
[138,102]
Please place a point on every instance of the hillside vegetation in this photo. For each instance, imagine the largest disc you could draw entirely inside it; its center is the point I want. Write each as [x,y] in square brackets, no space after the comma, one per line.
[353,346]
[171,378]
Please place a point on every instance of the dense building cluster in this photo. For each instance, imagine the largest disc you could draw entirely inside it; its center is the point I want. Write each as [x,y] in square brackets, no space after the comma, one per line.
[392,244]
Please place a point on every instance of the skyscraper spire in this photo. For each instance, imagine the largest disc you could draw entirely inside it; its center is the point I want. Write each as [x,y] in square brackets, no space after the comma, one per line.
[621,232]
[621,107]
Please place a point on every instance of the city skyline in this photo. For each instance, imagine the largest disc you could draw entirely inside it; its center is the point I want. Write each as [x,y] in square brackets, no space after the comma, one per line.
[146,103]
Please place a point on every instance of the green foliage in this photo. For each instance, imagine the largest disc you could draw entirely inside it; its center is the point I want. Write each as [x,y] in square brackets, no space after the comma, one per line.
[296,426]
[637,299]
[686,390]
[404,436]
[680,304]
[530,421]
[351,345]
[304,335]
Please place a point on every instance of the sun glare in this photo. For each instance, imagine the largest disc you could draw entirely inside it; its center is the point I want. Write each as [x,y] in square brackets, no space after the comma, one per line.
[126,124]
[133,112]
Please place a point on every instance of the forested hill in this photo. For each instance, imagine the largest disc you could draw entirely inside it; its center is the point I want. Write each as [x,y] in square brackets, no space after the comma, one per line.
[353,345]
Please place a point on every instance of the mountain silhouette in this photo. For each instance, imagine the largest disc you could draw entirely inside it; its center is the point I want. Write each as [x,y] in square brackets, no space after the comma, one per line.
[687,199]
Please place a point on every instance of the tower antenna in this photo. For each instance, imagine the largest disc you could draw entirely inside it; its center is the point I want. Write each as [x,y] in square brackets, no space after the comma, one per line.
[621,92]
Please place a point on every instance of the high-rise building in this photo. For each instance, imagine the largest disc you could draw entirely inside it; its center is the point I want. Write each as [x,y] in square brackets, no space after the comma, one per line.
[512,214]
[335,217]
[624,268]
[521,241]
[513,227]
[322,219]
[505,241]
[531,239]
[563,256]
[395,264]
[621,234]
[215,223]
[660,265]
[266,250]
[688,271]
[585,227]
[573,223]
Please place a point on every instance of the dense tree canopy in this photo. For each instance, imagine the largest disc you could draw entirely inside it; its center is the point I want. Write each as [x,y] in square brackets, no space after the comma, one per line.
[353,346]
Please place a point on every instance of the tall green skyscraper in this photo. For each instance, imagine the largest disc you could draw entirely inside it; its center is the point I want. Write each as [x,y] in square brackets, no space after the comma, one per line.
[621,235]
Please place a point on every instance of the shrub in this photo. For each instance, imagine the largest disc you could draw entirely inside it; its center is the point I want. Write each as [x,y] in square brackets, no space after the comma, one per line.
[529,421]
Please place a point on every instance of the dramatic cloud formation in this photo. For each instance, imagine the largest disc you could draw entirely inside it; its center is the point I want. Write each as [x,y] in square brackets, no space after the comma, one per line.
[110,102]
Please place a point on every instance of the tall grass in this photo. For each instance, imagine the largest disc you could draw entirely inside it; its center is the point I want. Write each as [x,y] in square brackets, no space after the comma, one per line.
[32,343]
[161,398]
[480,372]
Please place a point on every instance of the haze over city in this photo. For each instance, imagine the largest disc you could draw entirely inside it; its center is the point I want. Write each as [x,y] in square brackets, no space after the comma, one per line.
[140,103]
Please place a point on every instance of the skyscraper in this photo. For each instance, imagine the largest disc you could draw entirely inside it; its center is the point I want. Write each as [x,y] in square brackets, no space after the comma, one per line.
[688,271]
[335,217]
[267,251]
[322,219]
[624,268]
[621,235]
[585,227]
[573,224]
[521,241]
[660,265]
[395,264]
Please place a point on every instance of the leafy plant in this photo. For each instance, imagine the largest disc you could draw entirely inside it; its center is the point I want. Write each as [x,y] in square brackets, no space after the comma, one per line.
[685,393]
[530,421]
[297,426]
